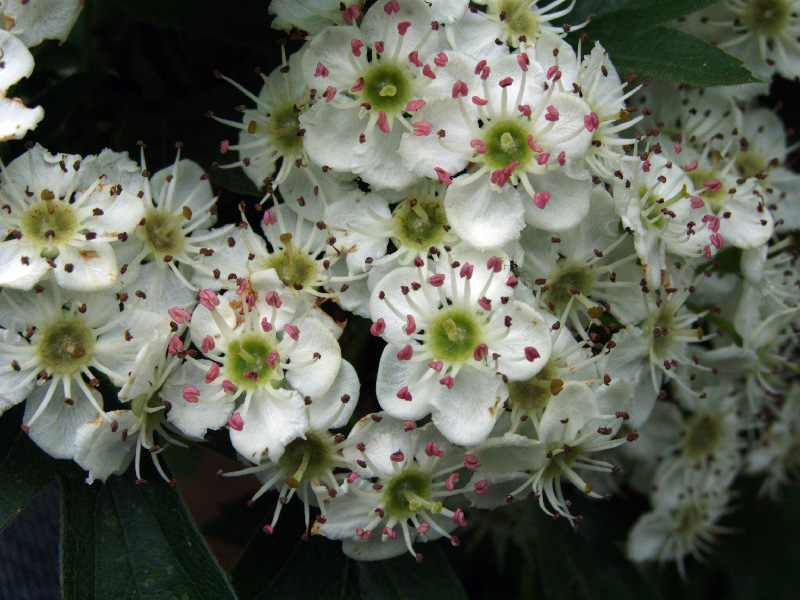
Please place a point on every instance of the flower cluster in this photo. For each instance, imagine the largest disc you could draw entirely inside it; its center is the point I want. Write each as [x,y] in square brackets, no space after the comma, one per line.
[580,281]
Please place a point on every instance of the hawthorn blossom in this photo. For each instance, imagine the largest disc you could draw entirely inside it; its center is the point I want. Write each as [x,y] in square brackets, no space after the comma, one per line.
[454,338]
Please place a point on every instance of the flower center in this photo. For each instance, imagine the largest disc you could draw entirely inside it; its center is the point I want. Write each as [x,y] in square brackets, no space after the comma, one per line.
[518,19]
[310,457]
[767,17]
[703,436]
[715,199]
[454,334]
[248,359]
[50,222]
[419,223]
[386,87]
[561,462]
[294,267]
[283,128]
[689,519]
[749,164]
[660,326]
[533,394]
[507,142]
[406,493]
[162,232]
[569,276]
[66,346]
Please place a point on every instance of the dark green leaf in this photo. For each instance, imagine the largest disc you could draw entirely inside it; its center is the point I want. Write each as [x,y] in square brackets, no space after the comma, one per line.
[123,540]
[761,561]
[632,15]
[278,566]
[569,568]
[24,471]
[78,503]
[401,578]
[665,53]
[220,20]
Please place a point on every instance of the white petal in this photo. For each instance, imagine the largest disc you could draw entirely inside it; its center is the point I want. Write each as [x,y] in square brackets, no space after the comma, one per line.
[466,413]
[40,20]
[94,267]
[271,421]
[103,452]
[481,216]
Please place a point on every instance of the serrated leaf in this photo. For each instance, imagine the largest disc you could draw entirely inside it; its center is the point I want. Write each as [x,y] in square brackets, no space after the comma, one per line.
[24,471]
[401,578]
[664,53]
[123,540]
[568,568]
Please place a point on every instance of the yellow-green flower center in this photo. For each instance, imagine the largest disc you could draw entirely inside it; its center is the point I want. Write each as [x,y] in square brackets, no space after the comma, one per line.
[49,222]
[65,347]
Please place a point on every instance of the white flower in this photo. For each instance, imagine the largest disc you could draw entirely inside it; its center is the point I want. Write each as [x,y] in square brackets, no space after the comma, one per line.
[654,200]
[312,16]
[268,369]
[17,62]
[34,22]
[763,33]
[175,231]
[457,332]
[401,477]
[371,77]
[67,337]
[525,140]
[62,213]
[679,525]
[514,22]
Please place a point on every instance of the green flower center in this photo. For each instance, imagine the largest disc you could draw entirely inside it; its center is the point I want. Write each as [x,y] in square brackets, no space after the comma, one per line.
[162,232]
[533,394]
[454,335]
[518,19]
[561,462]
[66,346]
[294,267]
[246,361]
[283,128]
[419,223]
[749,164]
[689,518]
[507,142]
[406,493]
[662,322]
[386,87]
[703,436]
[767,17]
[310,458]
[49,222]
[568,276]
[716,199]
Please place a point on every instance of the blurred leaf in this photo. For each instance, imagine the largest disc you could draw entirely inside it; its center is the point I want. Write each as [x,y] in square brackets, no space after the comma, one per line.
[761,561]
[569,568]
[665,53]
[123,540]
[401,578]
[221,20]
[24,471]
